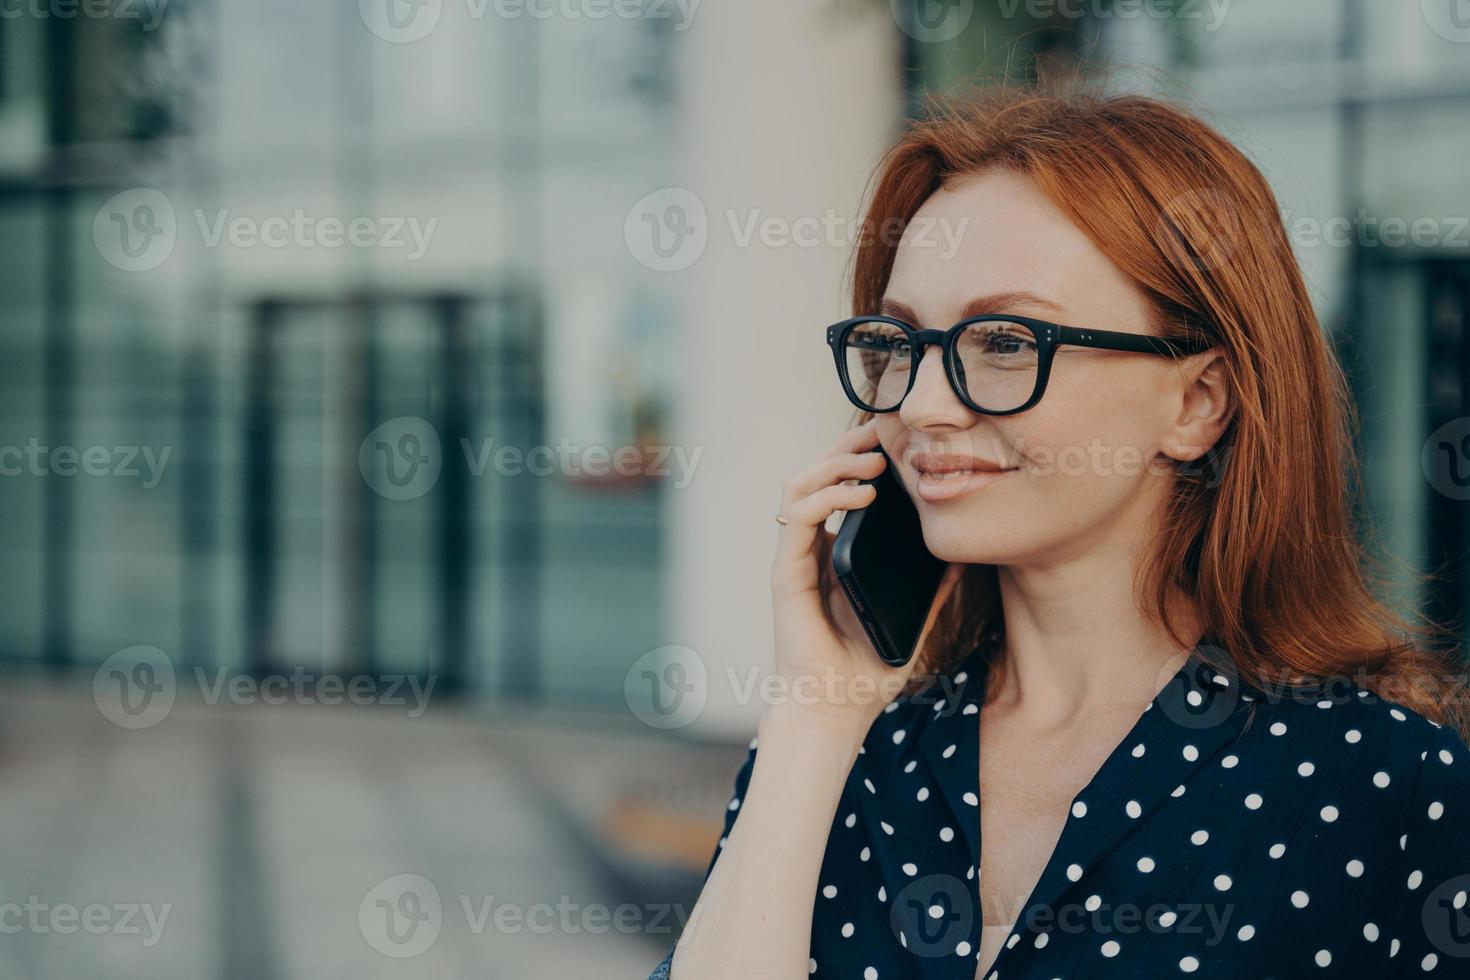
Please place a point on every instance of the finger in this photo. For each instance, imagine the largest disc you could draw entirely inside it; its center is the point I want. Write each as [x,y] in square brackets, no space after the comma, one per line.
[857,439]
[826,472]
[809,513]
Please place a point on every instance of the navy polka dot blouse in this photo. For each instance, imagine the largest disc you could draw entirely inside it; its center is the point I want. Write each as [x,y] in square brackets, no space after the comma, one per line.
[1232,833]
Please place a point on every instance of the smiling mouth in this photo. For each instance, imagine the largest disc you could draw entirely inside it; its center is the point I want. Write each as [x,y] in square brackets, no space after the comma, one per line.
[945,479]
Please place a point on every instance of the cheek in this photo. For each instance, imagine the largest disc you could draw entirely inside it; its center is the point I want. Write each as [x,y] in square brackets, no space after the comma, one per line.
[1084,453]
[1095,425]
[890,430]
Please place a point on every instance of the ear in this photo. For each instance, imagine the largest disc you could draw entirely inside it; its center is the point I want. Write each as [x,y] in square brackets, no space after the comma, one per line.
[1206,404]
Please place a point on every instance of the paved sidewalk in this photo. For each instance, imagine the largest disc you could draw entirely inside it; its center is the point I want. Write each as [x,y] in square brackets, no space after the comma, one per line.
[272,839]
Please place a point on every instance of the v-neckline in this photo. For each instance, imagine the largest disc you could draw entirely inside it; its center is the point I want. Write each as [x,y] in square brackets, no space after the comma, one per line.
[1197,712]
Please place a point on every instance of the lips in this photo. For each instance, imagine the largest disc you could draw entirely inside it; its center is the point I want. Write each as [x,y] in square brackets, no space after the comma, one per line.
[945,476]
[935,464]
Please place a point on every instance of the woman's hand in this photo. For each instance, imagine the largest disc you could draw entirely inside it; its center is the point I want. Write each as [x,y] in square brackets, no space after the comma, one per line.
[832,674]
[765,873]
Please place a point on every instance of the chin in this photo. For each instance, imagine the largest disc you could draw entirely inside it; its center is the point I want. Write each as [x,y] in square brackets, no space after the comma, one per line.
[951,538]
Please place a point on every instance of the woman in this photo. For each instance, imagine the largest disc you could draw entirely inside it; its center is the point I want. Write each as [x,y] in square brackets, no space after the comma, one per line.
[1159,724]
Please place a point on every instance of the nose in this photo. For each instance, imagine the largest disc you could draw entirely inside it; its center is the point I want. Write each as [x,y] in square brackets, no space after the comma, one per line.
[932,403]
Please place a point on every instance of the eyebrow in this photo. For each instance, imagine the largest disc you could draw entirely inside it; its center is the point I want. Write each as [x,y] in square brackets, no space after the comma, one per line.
[994,303]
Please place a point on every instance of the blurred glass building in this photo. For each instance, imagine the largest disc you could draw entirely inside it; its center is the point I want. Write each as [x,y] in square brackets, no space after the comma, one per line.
[282,250]
[243,238]
[446,338]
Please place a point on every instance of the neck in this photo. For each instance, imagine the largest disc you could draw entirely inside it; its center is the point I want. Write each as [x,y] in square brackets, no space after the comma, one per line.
[1077,643]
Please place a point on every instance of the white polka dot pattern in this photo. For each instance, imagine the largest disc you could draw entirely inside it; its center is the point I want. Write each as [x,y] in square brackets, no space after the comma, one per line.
[1254,834]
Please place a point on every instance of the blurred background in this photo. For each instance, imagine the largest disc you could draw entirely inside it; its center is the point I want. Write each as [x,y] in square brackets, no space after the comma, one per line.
[395,395]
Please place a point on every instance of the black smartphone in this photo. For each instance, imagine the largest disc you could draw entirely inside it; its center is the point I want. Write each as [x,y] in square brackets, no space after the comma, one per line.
[889,575]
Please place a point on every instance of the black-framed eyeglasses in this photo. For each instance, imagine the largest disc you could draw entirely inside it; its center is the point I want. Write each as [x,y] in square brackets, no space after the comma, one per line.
[997,363]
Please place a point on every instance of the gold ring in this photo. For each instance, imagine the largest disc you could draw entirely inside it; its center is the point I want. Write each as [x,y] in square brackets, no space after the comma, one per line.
[781,519]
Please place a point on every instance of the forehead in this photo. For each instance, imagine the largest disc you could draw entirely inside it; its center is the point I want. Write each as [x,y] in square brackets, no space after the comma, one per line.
[995,232]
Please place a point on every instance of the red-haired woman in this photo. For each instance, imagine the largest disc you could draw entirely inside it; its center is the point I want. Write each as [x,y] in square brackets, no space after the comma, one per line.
[1160,723]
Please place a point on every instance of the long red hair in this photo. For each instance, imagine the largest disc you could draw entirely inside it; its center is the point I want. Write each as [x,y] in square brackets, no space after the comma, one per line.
[1266,545]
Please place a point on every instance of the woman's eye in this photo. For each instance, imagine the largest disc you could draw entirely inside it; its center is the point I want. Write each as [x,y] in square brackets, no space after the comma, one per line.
[1010,344]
